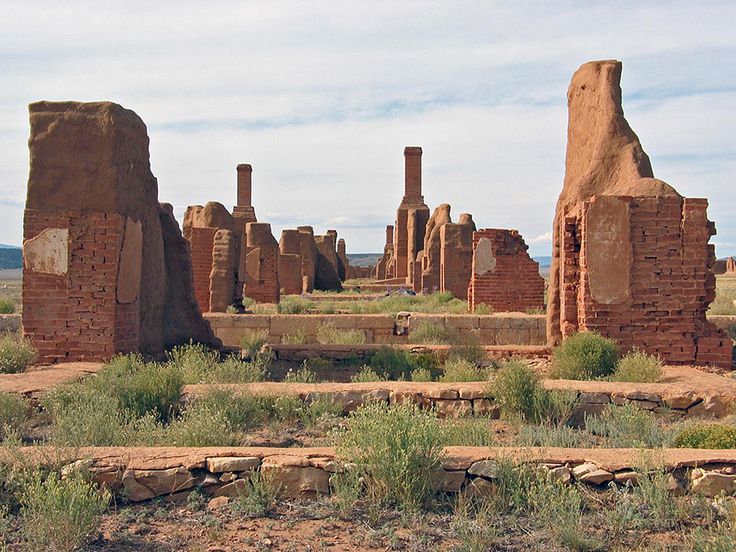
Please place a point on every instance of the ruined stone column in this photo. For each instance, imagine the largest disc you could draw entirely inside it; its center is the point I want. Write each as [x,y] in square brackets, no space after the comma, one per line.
[342,258]
[308,252]
[261,264]
[290,263]
[431,249]
[456,256]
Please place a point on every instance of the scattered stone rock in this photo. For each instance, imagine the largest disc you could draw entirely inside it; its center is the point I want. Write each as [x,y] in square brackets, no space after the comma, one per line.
[562,474]
[144,484]
[596,477]
[712,484]
[479,488]
[218,502]
[484,468]
[232,463]
[448,481]
[626,477]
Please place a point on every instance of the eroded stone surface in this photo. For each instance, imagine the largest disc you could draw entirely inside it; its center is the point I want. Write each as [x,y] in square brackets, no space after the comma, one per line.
[48,252]
[131,262]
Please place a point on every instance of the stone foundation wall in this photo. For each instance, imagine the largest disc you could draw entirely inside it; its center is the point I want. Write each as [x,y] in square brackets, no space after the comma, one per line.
[380,328]
[146,473]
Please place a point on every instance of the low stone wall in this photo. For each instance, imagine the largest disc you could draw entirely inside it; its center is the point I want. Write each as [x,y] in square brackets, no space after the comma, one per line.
[146,473]
[689,394]
[494,329]
[363,353]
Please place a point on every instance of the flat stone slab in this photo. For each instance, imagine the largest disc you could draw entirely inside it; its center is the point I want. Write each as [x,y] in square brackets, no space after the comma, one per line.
[38,380]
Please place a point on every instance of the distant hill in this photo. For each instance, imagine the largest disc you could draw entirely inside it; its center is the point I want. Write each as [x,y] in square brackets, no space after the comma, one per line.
[6,246]
[363,259]
[10,257]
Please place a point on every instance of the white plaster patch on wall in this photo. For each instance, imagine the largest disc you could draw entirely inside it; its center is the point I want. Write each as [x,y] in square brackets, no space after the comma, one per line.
[48,252]
[483,259]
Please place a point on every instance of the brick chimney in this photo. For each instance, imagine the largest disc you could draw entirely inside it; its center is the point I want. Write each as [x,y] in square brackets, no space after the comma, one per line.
[245,172]
[413,174]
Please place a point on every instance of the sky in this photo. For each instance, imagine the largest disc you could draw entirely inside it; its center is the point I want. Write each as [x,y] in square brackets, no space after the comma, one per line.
[322,97]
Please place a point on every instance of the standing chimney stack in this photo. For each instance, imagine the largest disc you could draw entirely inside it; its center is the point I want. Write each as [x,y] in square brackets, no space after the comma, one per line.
[413,174]
[245,172]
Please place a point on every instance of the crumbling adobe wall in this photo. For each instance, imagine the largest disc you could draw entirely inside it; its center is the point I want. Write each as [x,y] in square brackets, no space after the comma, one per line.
[224,274]
[503,275]
[94,278]
[326,277]
[730,266]
[456,256]
[381,270]
[200,226]
[631,257]
[308,253]
[261,264]
[431,252]
[290,263]
[342,258]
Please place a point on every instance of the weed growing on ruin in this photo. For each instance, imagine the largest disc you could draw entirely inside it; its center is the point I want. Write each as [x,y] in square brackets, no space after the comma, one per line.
[202,424]
[519,393]
[347,488]
[459,370]
[553,435]
[234,370]
[470,351]
[194,361]
[294,304]
[585,356]
[16,355]
[7,306]
[705,435]
[365,375]
[440,302]
[259,495]
[429,333]
[639,367]
[14,411]
[648,504]
[467,432]
[627,426]
[328,334]
[60,514]
[252,342]
[302,375]
[297,338]
[421,374]
[392,364]
[395,449]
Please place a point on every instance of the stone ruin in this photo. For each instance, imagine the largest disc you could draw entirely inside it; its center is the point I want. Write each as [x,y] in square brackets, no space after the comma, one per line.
[730,267]
[92,217]
[260,264]
[504,277]
[383,268]
[631,258]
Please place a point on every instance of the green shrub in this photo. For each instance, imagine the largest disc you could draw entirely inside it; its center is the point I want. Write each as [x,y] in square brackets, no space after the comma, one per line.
[517,390]
[242,411]
[195,361]
[202,424]
[328,334]
[293,304]
[365,375]
[585,356]
[467,349]
[707,436]
[302,375]
[647,505]
[459,370]
[13,413]
[252,342]
[16,355]
[392,364]
[234,370]
[430,333]
[259,496]
[627,426]
[7,306]
[395,449]
[421,374]
[638,367]
[468,432]
[553,435]
[60,514]
[298,338]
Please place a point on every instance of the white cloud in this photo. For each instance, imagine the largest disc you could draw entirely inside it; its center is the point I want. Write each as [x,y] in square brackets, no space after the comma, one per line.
[321,98]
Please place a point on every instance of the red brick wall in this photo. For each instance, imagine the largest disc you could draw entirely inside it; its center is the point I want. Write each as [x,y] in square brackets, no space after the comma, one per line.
[264,289]
[75,316]
[456,259]
[515,284]
[671,284]
[202,241]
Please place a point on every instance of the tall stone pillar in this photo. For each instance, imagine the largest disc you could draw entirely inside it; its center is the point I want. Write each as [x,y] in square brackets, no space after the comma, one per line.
[411,216]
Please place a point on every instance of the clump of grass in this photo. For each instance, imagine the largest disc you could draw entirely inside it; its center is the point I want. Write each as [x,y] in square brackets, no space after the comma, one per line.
[627,426]
[639,367]
[16,355]
[468,432]
[252,342]
[202,424]
[648,504]
[519,393]
[553,435]
[195,361]
[259,496]
[429,333]
[302,375]
[392,364]
[234,370]
[60,514]
[328,334]
[395,450]
[365,375]
[706,436]
[458,370]
[7,306]
[13,413]
[585,356]
[294,304]
[297,338]
[422,374]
